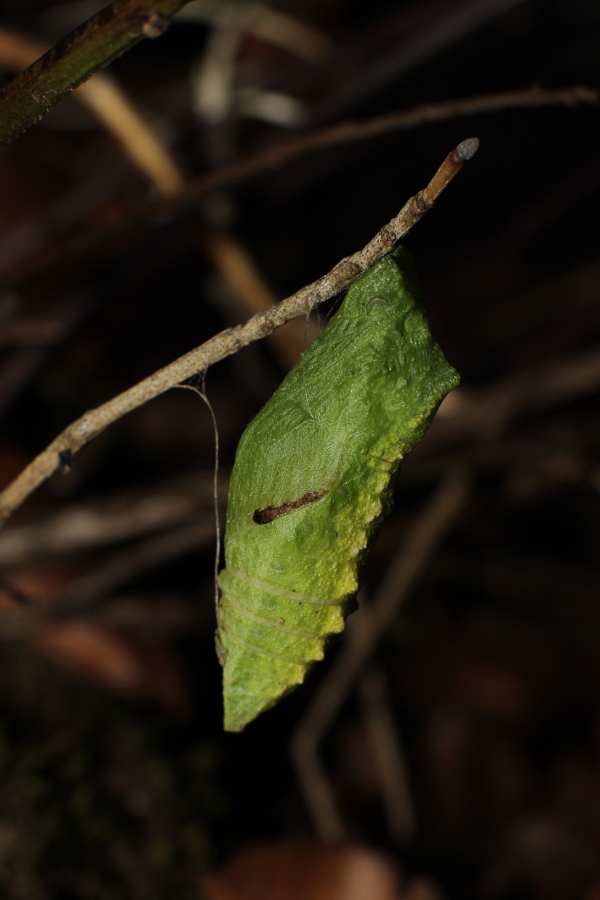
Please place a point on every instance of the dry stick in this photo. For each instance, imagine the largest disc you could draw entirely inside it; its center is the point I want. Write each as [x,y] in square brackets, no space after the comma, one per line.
[108,102]
[61,451]
[348,132]
[336,135]
[253,294]
[144,557]
[155,614]
[368,628]
[123,516]
[73,60]
[385,746]
[110,105]
[266,24]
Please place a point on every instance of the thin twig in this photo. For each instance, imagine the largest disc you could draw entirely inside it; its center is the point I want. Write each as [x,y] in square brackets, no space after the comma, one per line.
[441,29]
[388,755]
[260,21]
[73,60]
[123,516]
[93,423]
[107,101]
[144,557]
[252,293]
[486,412]
[350,132]
[157,614]
[334,136]
[365,632]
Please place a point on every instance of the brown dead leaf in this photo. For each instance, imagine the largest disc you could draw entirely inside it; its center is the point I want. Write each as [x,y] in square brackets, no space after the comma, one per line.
[139,670]
[95,653]
[304,871]
[41,584]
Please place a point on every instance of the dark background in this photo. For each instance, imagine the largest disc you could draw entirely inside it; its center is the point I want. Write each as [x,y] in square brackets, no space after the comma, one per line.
[117,780]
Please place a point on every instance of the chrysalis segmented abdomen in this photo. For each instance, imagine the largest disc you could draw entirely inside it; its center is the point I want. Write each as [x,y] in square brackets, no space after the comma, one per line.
[271,635]
[270,641]
[312,482]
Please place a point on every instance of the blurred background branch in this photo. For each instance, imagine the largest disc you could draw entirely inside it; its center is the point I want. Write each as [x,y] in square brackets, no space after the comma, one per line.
[211,173]
[364,632]
[92,46]
[103,96]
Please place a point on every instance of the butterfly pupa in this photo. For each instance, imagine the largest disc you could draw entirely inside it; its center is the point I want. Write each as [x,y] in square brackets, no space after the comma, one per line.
[312,482]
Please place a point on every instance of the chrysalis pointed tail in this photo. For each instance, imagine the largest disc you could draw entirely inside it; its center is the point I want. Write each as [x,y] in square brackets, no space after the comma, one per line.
[266,644]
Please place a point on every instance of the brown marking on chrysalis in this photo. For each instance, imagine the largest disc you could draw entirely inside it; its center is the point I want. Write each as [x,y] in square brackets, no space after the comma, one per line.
[269,513]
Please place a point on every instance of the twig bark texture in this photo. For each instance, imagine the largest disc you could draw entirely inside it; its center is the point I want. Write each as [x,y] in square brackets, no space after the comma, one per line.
[61,451]
[73,60]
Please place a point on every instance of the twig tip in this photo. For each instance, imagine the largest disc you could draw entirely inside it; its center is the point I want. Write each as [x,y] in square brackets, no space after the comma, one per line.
[467,149]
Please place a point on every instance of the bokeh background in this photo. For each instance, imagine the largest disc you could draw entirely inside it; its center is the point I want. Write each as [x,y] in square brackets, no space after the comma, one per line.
[468,750]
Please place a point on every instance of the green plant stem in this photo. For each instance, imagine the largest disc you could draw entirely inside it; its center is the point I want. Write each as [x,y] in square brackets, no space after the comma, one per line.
[73,60]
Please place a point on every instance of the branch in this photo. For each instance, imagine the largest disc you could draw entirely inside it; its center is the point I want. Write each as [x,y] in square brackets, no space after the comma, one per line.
[135,561]
[252,294]
[337,135]
[73,60]
[114,110]
[60,452]
[121,517]
[349,132]
[365,632]
[276,156]
[156,614]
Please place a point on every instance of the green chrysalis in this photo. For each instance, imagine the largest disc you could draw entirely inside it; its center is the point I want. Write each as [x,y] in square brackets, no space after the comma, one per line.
[313,480]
